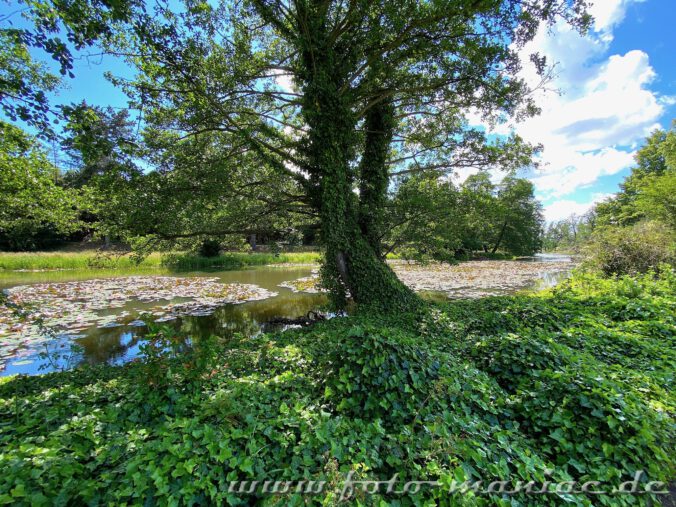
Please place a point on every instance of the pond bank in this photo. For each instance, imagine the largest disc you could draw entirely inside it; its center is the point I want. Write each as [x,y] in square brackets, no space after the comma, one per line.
[109,260]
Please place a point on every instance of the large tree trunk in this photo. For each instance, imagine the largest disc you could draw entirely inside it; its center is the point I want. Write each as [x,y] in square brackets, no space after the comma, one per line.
[352,265]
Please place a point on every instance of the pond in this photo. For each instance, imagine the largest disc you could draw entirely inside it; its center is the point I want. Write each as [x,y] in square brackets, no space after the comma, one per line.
[101,317]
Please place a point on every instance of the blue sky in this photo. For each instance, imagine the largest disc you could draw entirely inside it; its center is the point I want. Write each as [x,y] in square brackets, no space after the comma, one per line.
[612,88]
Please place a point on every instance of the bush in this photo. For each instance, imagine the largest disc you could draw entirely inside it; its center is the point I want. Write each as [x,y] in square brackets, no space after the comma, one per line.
[631,250]
[209,248]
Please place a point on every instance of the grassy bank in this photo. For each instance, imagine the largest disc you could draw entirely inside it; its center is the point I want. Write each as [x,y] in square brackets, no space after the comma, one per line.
[94,260]
[180,261]
[575,384]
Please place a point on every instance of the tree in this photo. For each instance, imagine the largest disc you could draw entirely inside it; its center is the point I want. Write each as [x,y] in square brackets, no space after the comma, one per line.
[202,188]
[569,233]
[647,193]
[376,89]
[480,226]
[519,216]
[657,198]
[31,201]
[423,219]
[430,218]
[24,81]
[98,141]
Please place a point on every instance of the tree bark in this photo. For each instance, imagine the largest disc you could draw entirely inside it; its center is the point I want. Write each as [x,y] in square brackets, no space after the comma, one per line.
[373,172]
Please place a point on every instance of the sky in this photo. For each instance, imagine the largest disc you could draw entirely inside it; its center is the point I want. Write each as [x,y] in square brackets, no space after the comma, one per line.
[611,88]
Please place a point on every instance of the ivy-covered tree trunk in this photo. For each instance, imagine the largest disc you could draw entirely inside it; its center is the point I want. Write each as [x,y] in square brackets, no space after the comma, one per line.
[349,227]
[373,174]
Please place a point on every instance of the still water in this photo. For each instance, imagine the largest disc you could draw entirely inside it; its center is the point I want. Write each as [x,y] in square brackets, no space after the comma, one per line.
[120,342]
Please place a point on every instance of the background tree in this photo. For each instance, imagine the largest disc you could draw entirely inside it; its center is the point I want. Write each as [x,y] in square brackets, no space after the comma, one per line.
[519,218]
[33,206]
[480,227]
[430,218]
[99,141]
[569,234]
[646,192]
[423,220]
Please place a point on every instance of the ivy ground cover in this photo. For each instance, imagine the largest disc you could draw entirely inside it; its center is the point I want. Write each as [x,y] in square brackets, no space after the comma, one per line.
[574,384]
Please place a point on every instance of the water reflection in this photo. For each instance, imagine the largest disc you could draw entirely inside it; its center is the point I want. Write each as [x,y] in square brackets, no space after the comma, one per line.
[121,341]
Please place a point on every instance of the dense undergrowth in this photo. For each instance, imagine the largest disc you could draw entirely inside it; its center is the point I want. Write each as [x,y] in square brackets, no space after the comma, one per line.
[575,384]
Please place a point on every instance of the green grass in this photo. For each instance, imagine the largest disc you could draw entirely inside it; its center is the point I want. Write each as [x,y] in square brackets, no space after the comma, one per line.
[235,260]
[93,260]
[573,384]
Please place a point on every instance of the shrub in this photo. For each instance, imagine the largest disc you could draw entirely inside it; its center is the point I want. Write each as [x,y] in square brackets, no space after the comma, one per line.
[209,248]
[631,250]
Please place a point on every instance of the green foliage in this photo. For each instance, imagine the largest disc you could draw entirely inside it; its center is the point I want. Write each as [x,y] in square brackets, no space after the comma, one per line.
[424,220]
[519,216]
[32,204]
[647,193]
[374,372]
[569,234]
[657,197]
[629,250]
[98,142]
[25,81]
[431,219]
[573,384]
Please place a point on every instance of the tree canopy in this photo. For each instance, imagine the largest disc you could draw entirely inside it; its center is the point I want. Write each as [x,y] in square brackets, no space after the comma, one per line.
[649,192]
[316,106]
[32,202]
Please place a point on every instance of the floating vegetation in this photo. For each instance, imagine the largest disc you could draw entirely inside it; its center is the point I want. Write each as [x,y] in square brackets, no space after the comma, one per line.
[308,284]
[471,279]
[477,278]
[66,309]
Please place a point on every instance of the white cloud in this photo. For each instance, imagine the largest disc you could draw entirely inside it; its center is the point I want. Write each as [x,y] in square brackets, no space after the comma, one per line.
[608,13]
[460,175]
[564,208]
[285,82]
[581,169]
[604,106]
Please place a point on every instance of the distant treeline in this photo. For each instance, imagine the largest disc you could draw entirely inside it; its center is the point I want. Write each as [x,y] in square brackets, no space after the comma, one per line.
[151,192]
